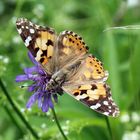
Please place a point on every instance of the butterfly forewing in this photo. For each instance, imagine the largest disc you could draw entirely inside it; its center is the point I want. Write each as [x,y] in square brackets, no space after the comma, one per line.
[70,48]
[39,40]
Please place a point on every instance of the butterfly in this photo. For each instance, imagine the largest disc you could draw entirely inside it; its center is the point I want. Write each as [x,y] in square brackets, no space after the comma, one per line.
[72,69]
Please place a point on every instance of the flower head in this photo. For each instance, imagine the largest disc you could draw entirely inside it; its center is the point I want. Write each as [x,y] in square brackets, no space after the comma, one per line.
[40,80]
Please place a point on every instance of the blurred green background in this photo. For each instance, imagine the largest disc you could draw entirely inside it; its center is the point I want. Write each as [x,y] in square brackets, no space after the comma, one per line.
[119,50]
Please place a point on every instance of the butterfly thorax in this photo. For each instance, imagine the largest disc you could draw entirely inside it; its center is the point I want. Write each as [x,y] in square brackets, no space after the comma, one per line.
[61,76]
[56,81]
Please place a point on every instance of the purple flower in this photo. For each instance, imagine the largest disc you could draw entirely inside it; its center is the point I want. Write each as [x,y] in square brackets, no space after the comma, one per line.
[40,80]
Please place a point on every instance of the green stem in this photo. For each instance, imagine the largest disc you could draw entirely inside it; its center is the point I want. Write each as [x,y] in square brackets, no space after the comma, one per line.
[58,124]
[17,110]
[109,128]
[14,121]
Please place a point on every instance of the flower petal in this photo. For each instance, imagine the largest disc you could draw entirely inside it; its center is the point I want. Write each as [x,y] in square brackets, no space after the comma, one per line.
[50,103]
[32,87]
[30,70]
[40,101]
[45,106]
[40,79]
[33,77]
[32,58]
[21,78]
[32,100]
[41,72]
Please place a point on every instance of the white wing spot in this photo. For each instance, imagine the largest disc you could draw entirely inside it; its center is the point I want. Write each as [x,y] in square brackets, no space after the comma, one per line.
[110,98]
[31,24]
[115,113]
[37,26]
[63,32]
[106,113]
[109,107]
[81,96]
[19,31]
[27,27]
[95,106]
[32,31]
[18,23]
[105,102]
[22,27]
[28,39]
[113,104]
[21,21]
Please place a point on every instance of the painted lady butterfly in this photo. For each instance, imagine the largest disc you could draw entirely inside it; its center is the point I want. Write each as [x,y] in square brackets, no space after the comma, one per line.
[72,69]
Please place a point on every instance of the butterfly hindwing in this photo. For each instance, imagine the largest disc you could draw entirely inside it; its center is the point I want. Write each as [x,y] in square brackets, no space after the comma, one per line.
[93,68]
[38,39]
[88,86]
[90,69]
[97,96]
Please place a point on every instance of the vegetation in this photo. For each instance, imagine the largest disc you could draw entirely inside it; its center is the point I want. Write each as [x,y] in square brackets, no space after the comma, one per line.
[118,49]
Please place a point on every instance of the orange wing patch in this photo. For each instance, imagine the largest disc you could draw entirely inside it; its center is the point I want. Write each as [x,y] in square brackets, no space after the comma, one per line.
[92,92]
[94,68]
[72,41]
[45,45]
[90,69]
[70,47]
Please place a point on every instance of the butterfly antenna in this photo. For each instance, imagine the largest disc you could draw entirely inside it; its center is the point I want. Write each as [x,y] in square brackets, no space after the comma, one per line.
[24,86]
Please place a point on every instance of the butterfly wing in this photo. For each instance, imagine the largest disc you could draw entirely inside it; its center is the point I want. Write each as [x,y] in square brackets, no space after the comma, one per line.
[39,40]
[70,47]
[89,70]
[88,86]
[97,96]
